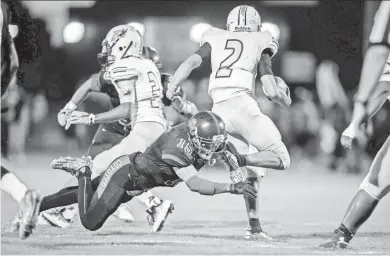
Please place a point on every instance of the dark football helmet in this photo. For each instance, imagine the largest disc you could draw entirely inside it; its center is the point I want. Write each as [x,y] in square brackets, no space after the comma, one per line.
[207,133]
[152,54]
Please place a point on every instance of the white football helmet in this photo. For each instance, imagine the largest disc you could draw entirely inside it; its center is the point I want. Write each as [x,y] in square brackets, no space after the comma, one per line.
[243,18]
[121,41]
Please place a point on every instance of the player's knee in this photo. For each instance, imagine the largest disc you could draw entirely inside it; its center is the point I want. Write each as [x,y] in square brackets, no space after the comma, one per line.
[374,190]
[284,156]
[90,223]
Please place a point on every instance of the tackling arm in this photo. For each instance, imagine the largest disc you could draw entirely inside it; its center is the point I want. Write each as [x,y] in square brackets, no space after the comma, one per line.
[206,187]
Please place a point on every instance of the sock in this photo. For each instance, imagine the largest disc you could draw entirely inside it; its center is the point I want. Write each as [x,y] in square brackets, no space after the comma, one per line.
[346,233]
[360,209]
[12,185]
[64,197]
[252,204]
[254,223]
[149,199]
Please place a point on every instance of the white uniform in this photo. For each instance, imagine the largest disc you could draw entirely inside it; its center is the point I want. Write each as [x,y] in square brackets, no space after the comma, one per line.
[148,121]
[377,181]
[234,60]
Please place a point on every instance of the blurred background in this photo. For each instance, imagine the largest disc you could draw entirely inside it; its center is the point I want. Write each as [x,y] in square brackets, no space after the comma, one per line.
[320,57]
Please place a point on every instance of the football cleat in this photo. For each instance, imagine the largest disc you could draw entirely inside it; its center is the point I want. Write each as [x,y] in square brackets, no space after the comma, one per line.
[157,214]
[123,213]
[250,235]
[55,218]
[338,241]
[72,165]
[30,206]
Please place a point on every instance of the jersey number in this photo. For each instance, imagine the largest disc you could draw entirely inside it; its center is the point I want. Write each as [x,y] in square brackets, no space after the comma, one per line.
[156,91]
[236,47]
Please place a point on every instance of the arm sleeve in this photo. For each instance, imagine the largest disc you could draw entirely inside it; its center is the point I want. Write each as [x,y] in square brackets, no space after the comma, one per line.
[204,51]
[380,32]
[206,187]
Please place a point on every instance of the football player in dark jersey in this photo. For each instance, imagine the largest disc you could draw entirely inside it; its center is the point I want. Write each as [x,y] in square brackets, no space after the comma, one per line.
[111,132]
[174,157]
[29,200]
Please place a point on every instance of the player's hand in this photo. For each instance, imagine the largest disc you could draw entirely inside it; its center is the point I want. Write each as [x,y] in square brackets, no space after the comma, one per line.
[63,115]
[180,105]
[348,136]
[243,187]
[171,92]
[77,117]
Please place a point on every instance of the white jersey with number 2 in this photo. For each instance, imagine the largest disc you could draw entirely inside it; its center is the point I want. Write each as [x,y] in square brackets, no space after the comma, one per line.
[146,95]
[234,60]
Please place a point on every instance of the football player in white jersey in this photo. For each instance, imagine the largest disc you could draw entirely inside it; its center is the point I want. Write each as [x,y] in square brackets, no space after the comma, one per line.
[238,54]
[371,95]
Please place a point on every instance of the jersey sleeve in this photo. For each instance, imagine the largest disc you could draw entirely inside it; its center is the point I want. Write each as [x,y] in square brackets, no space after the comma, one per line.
[380,32]
[207,35]
[270,43]
[177,152]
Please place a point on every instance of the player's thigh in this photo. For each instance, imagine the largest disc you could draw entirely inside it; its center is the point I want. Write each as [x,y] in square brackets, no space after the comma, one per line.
[377,181]
[142,136]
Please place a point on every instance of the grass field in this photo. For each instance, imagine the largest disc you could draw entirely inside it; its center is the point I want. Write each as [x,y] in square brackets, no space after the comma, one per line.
[300,208]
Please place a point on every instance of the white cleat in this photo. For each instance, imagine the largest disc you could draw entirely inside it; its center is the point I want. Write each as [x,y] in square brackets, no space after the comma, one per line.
[55,218]
[30,206]
[123,213]
[249,235]
[157,214]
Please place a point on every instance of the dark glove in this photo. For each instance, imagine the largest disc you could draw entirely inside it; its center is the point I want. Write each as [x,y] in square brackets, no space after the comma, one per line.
[243,187]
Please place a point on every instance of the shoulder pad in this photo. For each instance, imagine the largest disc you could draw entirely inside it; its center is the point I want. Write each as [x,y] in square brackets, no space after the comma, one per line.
[125,68]
[208,33]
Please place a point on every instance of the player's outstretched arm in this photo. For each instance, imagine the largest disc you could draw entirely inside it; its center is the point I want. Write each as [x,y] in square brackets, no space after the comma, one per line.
[270,87]
[14,62]
[184,107]
[209,188]
[120,112]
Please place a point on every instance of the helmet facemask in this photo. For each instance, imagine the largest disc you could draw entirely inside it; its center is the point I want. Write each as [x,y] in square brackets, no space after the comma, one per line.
[204,147]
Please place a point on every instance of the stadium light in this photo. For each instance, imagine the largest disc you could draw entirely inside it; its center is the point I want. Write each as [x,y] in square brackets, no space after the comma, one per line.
[73,32]
[13,30]
[138,26]
[197,31]
[272,28]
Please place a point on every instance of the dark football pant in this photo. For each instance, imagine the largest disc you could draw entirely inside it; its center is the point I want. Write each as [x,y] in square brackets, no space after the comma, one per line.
[103,140]
[100,197]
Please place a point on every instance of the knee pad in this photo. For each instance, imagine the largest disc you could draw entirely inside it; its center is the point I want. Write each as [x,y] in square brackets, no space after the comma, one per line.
[375,191]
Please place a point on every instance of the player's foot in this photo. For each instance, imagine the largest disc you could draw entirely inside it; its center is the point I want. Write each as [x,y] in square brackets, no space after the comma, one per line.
[123,213]
[15,225]
[30,205]
[55,218]
[339,240]
[250,235]
[157,214]
[72,165]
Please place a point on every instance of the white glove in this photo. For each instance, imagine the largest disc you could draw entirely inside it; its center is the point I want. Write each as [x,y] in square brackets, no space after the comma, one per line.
[64,113]
[79,117]
[349,135]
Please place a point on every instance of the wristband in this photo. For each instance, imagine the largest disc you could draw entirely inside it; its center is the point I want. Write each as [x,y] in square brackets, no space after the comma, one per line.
[241,160]
[91,119]
[70,105]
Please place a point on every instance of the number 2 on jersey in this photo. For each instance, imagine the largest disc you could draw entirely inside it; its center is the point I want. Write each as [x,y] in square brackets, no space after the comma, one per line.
[236,47]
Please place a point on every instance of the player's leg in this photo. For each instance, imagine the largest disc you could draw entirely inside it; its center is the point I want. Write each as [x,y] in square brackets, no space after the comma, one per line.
[140,138]
[96,206]
[253,176]
[374,187]
[29,201]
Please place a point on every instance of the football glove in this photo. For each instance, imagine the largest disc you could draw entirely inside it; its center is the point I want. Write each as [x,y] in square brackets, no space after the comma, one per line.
[243,187]
[64,113]
[79,117]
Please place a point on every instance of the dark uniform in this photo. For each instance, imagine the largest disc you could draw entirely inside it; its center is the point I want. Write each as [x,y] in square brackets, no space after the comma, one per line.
[6,42]
[99,198]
